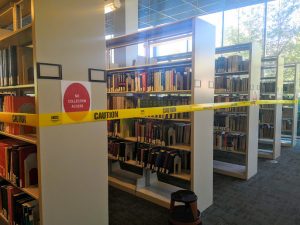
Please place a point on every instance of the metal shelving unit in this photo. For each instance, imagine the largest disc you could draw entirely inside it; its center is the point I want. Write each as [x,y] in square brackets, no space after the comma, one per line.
[270,115]
[240,163]
[290,112]
[151,186]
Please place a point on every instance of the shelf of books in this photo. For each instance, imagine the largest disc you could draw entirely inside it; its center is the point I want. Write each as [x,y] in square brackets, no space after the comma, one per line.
[39,165]
[155,156]
[18,151]
[269,144]
[237,72]
[290,112]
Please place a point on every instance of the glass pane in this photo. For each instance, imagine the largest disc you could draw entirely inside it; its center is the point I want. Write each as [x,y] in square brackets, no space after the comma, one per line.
[215,19]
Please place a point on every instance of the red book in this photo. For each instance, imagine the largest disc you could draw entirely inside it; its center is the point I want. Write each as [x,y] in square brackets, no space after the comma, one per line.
[10,192]
[144,81]
[3,158]
[28,166]
[22,104]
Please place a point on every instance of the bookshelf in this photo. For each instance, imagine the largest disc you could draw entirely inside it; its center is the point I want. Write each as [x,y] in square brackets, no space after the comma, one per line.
[184,140]
[17,94]
[290,112]
[269,144]
[237,72]
[65,164]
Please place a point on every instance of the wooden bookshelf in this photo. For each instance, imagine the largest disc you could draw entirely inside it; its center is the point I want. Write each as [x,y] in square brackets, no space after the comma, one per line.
[290,112]
[201,68]
[236,127]
[58,175]
[270,119]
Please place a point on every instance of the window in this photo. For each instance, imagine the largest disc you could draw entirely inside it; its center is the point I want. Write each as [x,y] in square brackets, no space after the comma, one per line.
[216,20]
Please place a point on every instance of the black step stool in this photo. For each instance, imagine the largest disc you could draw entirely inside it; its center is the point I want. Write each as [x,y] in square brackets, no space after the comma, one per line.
[187,214]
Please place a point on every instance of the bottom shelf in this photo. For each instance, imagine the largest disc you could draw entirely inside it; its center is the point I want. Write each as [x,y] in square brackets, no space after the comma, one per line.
[286,141]
[230,169]
[147,186]
[266,154]
[124,180]
[158,193]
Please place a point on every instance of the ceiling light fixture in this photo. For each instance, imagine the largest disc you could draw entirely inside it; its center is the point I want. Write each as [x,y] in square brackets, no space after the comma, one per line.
[111,5]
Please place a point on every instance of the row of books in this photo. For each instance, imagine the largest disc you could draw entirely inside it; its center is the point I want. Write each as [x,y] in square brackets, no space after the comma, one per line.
[157,159]
[266,131]
[120,102]
[8,66]
[16,104]
[231,84]
[146,81]
[17,207]
[287,125]
[287,113]
[152,132]
[230,142]
[230,98]
[289,88]
[18,162]
[234,63]
[268,87]
[16,66]
[230,122]
[266,116]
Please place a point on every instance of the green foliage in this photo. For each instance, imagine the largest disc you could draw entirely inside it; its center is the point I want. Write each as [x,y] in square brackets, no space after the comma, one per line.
[283,28]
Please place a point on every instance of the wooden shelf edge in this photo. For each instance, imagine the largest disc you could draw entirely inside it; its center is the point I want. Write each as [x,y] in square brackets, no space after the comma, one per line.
[33,191]
[23,86]
[182,176]
[114,182]
[29,26]
[150,92]
[21,137]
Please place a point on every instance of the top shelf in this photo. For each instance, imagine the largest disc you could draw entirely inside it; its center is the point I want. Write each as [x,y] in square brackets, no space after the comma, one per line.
[234,48]
[163,31]
[156,66]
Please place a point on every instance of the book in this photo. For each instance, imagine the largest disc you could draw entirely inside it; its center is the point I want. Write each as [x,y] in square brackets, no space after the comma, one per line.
[152,80]
[17,104]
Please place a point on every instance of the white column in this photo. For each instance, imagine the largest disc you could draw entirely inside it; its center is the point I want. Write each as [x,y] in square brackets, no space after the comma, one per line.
[73,158]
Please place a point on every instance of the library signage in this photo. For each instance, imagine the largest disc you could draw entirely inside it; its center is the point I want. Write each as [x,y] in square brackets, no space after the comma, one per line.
[76,97]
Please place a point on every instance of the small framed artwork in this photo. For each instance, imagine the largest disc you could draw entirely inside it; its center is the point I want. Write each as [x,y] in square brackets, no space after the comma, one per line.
[97,75]
[49,71]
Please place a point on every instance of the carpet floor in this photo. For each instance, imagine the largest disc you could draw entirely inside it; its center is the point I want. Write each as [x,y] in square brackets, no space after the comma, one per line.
[272,197]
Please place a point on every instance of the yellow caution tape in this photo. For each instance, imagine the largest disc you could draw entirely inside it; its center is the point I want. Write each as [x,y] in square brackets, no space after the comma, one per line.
[54,119]
[19,118]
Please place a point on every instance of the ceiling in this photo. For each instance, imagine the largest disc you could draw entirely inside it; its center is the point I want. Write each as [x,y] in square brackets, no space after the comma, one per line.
[155,12]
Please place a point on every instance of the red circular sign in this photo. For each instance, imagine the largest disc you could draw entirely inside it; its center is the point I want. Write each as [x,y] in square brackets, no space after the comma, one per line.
[76,99]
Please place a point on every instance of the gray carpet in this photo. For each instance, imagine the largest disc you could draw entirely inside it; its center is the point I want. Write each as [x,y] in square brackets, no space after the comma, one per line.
[272,197]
